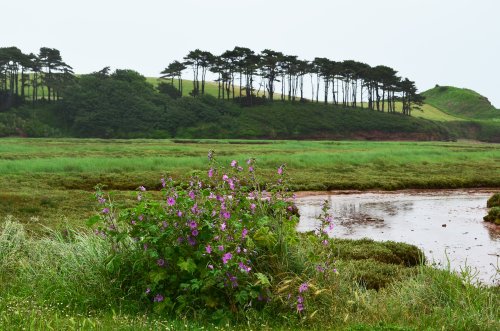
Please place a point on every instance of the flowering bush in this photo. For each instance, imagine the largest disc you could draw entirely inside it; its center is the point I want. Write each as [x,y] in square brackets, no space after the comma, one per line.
[213,244]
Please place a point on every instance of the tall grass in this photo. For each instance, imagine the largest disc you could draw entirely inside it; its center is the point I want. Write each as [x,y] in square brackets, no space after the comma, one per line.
[60,281]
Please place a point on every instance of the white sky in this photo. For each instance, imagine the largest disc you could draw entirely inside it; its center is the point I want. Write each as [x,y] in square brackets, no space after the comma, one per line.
[445,42]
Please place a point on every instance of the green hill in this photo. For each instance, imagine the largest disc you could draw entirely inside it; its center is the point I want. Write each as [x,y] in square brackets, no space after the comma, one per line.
[461,102]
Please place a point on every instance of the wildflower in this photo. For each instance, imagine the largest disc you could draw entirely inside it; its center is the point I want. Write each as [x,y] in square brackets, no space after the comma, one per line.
[164,224]
[233,280]
[240,168]
[141,217]
[158,298]
[179,213]
[300,303]
[226,257]
[210,172]
[250,169]
[244,233]
[142,188]
[303,287]
[101,200]
[145,246]
[210,155]
[252,207]
[244,267]
[231,184]
[194,233]
[193,225]
[225,177]
[221,248]
[325,242]
[223,226]
[280,170]
[249,161]
[163,183]
[139,197]
[226,215]
[160,262]
[208,249]
[210,267]
[191,195]
[191,241]
[148,290]
[234,163]
[105,211]
[170,201]
[195,209]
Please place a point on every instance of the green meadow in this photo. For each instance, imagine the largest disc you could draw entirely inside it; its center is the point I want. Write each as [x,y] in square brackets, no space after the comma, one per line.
[52,179]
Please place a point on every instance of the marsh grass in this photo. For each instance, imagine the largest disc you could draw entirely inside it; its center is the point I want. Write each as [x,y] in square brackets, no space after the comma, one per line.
[51,179]
[60,281]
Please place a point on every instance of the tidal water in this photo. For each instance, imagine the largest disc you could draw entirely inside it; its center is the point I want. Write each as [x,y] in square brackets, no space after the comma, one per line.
[446,224]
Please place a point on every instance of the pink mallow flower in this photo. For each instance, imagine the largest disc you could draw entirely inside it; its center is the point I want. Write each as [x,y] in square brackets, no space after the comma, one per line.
[210,172]
[226,257]
[303,287]
[170,201]
[234,163]
[244,267]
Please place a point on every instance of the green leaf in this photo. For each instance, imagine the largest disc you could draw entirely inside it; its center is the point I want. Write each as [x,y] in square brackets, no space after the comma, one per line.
[187,265]
[157,276]
[93,220]
[264,237]
[262,279]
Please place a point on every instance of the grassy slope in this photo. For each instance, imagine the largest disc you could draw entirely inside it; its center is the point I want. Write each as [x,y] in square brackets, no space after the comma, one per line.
[460,102]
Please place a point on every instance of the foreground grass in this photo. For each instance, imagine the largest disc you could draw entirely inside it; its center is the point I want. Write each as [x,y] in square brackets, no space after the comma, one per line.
[60,281]
[48,182]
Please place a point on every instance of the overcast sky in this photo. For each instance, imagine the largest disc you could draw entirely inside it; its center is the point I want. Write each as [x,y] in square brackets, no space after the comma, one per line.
[445,42]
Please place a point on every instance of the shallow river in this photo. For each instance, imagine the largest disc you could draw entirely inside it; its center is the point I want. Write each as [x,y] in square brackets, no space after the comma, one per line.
[446,225]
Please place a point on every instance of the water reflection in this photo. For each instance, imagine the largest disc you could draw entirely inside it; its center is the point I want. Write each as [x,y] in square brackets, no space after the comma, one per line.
[445,224]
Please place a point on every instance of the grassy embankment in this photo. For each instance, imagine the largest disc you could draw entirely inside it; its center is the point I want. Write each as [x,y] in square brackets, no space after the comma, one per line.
[52,179]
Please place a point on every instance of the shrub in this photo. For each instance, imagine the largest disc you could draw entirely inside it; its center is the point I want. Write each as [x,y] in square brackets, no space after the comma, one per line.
[494,201]
[216,245]
[493,216]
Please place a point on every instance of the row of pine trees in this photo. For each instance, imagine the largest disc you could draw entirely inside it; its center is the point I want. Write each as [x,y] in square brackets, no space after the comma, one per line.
[241,74]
